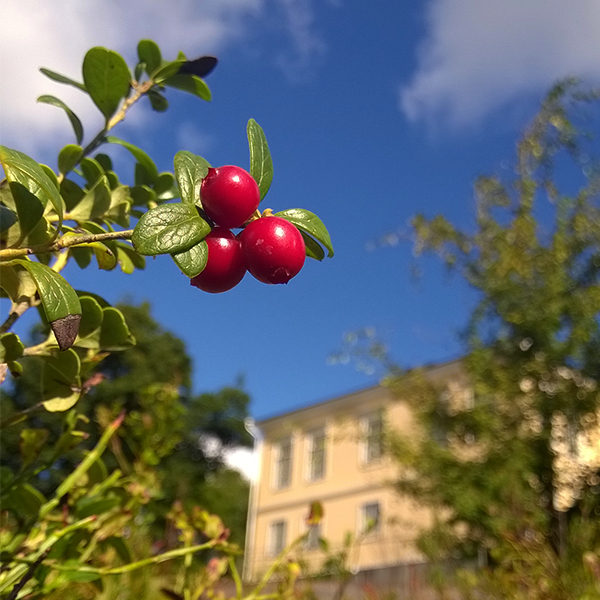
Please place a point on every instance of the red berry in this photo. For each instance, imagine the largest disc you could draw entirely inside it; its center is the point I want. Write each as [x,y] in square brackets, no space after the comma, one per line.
[229,196]
[274,249]
[225,267]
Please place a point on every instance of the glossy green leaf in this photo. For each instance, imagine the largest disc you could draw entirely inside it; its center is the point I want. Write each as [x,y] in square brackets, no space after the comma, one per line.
[7,218]
[68,158]
[60,381]
[142,194]
[192,261]
[94,204]
[149,53]
[190,170]
[141,176]
[91,316]
[313,248]
[60,302]
[62,79]
[76,575]
[164,184]
[138,71]
[17,282]
[114,333]
[190,84]
[168,229]
[92,170]
[71,193]
[82,256]
[104,160]
[310,223]
[73,118]
[32,442]
[107,79]
[26,179]
[167,69]
[11,347]
[139,155]
[261,164]
[157,101]
[129,259]
[53,178]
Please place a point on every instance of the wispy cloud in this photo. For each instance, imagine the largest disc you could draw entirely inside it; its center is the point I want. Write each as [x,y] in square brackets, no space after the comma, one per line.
[478,55]
[56,35]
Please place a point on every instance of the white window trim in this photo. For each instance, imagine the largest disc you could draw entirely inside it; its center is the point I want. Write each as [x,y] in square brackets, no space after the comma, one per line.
[304,527]
[362,520]
[364,430]
[310,435]
[276,458]
[271,546]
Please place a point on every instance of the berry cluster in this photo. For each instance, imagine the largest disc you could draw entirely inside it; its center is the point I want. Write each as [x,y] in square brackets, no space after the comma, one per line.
[270,248]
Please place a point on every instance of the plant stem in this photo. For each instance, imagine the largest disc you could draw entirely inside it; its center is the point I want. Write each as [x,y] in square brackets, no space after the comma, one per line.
[18,309]
[236,578]
[71,240]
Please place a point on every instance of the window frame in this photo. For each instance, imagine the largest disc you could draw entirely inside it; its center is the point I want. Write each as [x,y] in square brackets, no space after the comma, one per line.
[275,544]
[311,475]
[366,457]
[363,520]
[278,482]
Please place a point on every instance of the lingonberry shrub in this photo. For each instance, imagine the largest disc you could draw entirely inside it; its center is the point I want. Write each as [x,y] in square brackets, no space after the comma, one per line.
[274,249]
[225,266]
[229,195]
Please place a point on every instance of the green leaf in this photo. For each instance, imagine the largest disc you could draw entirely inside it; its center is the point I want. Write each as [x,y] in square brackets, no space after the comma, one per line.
[75,122]
[114,333]
[60,381]
[190,170]
[82,256]
[24,500]
[94,204]
[157,101]
[313,249]
[60,302]
[71,193]
[62,79]
[142,194]
[192,261]
[104,160]
[261,164]
[149,53]
[7,218]
[139,155]
[190,84]
[169,229]
[167,69]
[165,186]
[129,259]
[95,505]
[107,79]
[32,442]
[68,158]
[76,575]
[26,179]
[91,316]
[17,282]
[122,548]
[309,223]
[11,347]
[92,170]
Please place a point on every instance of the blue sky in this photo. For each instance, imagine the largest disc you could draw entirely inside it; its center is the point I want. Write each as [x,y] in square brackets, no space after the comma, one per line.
[373,112]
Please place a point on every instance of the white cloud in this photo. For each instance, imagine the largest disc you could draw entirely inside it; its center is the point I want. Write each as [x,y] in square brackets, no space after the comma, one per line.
[243,460]
[57,34]
[480,54]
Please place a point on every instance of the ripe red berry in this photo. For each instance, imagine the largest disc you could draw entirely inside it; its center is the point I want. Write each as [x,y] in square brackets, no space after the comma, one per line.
[225,267]
[229,195]
[274,249]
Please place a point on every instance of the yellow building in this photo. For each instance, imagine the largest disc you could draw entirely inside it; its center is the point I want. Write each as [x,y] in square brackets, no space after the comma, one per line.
[333,452]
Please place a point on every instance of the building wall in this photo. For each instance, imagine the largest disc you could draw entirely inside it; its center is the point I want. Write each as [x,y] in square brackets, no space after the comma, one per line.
[348,484]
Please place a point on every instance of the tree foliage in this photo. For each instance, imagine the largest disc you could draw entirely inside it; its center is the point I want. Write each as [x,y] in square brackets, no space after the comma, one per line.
[513,471]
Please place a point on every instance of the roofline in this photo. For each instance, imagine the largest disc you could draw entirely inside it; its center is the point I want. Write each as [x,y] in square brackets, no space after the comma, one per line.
[347,396]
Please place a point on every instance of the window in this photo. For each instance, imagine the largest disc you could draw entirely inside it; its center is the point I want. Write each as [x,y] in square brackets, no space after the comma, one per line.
[277,537]
[372,426]
[370,518]
[283,464]
[316,455]
[314,535]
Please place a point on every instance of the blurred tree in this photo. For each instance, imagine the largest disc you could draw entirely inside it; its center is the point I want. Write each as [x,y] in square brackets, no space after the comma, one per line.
[514,470]
[171,439]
